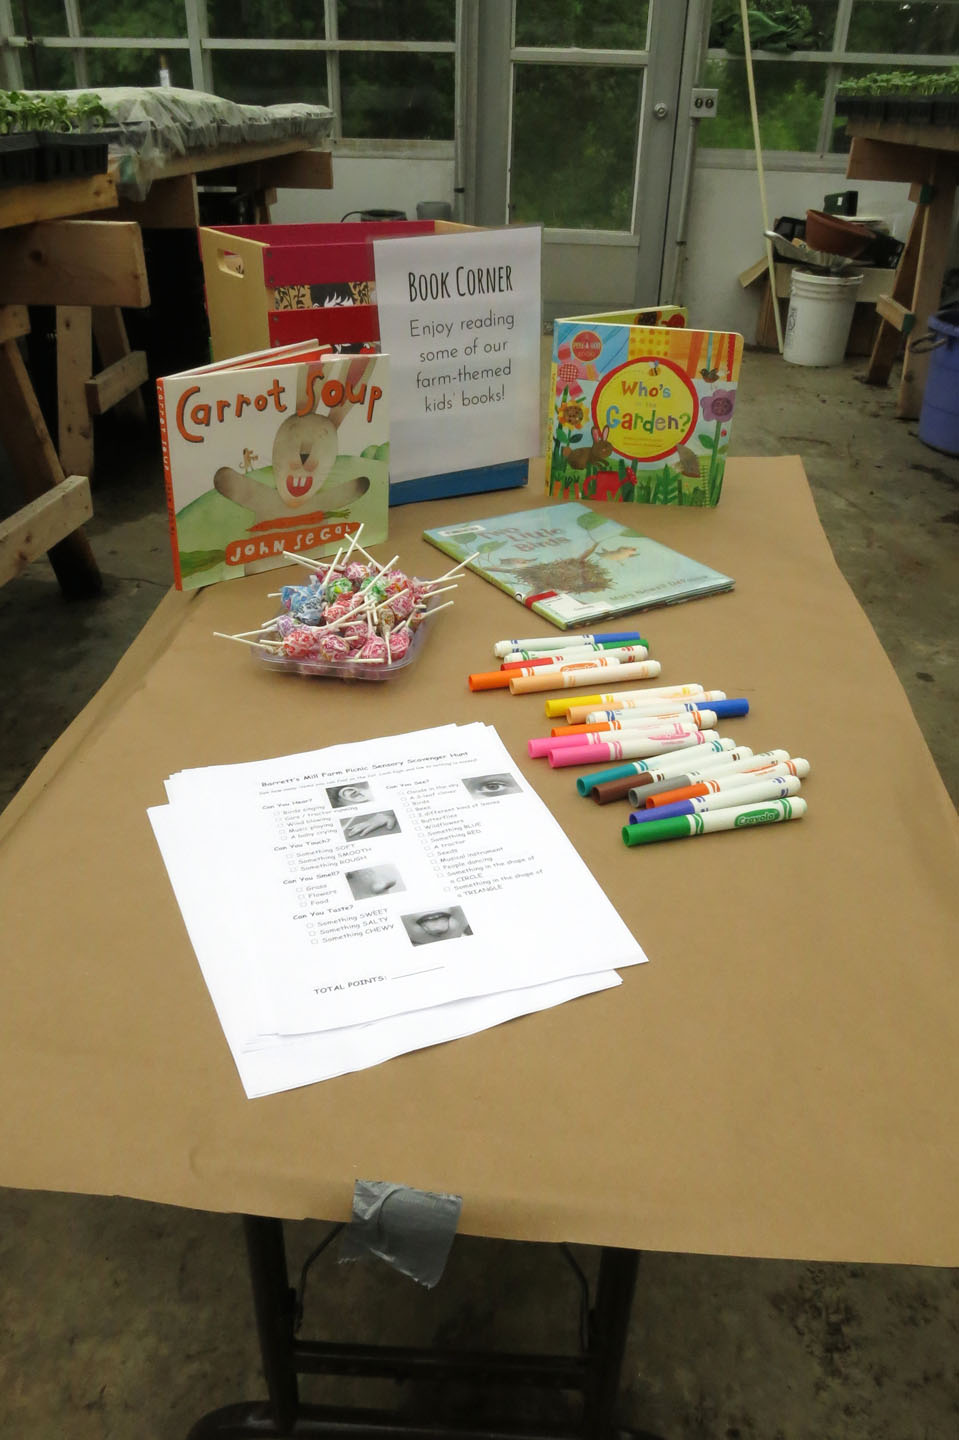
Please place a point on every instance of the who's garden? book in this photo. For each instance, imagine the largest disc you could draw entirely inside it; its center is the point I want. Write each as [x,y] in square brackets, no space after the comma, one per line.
[284,449]
[640,411]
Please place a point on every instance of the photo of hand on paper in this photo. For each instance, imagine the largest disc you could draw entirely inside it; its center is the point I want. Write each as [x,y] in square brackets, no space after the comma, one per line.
[488,787]
[424,927]
[373,881]
[358,793]
[365,827]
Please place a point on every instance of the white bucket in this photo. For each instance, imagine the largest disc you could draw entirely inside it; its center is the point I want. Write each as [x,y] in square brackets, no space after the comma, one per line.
[820,317]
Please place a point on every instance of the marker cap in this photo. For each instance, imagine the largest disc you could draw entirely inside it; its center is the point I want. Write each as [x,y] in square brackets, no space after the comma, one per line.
[490,680]
[612,790]
[675,828]
[586,783]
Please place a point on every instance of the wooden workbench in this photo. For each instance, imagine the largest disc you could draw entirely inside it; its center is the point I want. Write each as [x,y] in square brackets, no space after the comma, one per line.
[927,157]
[75,244]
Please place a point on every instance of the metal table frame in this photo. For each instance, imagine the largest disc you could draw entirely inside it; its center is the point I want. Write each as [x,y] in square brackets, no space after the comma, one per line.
[595,1374]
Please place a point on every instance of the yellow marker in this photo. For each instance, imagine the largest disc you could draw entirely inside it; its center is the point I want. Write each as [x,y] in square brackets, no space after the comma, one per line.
[617,697]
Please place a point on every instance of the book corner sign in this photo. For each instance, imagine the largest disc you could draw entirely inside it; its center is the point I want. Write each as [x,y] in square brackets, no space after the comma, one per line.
[460,318]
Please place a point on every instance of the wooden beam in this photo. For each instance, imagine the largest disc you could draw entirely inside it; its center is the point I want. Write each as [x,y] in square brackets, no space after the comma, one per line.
[116,382]
[25,204]
[891,132]
[37,469]
[74,364]
[74,262]
[937,232]
[110,334]
[198,162]
[14,322]
[168,205]
[898,316]
[306,170]
[39,526]
[875,160]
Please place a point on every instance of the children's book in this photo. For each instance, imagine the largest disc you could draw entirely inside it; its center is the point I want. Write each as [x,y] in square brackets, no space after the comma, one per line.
[640,408]
[280,450]
[572,565]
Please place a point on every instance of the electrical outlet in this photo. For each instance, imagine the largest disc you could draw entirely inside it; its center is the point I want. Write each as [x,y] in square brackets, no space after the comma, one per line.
[703,104]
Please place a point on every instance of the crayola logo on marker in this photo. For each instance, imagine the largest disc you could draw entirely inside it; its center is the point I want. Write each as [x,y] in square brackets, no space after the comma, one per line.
[649,405]
[762,817]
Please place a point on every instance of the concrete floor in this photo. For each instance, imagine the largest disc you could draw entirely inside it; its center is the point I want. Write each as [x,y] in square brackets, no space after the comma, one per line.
[124,1320]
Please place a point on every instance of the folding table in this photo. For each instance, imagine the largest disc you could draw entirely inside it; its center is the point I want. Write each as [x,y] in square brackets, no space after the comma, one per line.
[781,1080]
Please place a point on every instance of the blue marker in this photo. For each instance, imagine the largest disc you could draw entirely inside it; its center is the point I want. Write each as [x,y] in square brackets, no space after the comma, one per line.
[722,709]
[776,789]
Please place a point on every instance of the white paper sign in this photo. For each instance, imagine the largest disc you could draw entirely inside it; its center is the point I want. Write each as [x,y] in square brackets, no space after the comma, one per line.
[460,318]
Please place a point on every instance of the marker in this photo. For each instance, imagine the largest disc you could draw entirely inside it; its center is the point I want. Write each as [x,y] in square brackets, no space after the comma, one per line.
[634,770]
[712,767]
[740,817]
[726,709]
[619,651]
[720,781]
[546,642]
[651,701]
[738,795]
[664,692]
[564,677]
[561,648]
[704,719]
[585,654]
[661,730]
[643,747]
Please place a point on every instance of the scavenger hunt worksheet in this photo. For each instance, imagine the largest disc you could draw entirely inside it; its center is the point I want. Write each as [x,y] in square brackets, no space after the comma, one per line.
[378,879]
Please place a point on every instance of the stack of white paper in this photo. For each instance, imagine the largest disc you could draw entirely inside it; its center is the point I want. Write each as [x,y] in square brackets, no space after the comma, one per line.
[350,904]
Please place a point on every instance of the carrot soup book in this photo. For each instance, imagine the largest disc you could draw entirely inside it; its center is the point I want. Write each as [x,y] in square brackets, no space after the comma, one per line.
[280,450]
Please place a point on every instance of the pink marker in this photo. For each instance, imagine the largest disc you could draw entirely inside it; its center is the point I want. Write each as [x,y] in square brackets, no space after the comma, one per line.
[664,728]
[642,748]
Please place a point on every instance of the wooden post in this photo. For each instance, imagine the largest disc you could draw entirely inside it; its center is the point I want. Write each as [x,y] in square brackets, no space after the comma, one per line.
[74,368]
[38,470]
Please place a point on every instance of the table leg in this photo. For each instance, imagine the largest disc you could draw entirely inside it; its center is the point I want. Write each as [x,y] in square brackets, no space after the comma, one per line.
[282,1416]
[38,470]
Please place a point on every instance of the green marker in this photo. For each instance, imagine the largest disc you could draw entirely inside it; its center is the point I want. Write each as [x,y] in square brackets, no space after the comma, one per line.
[737,817]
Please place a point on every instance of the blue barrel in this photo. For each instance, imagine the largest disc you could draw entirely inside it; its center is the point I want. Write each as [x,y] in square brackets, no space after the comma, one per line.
[939,417]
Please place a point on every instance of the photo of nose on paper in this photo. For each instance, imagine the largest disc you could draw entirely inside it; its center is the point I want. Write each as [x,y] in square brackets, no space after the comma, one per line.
[373,881]
[424,927]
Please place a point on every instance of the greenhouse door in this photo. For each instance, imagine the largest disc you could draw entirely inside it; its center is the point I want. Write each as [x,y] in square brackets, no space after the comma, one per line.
[573,122]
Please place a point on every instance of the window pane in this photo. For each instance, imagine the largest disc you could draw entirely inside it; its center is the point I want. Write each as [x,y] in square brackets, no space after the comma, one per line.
[45,69]
[136,67]
[789,98]
[118,17]
[397,96]
[44,17]
[571,168]
[264,20]
[396,19]
[896,28]
[270,77]
[614,25]
[773,25]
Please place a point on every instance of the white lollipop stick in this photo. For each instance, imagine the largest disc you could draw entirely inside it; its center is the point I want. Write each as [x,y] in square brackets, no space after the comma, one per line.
[450,573]
[257,644]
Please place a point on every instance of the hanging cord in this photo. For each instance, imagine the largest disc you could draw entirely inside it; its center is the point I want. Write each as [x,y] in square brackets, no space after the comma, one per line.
[313,1255]
[757,143]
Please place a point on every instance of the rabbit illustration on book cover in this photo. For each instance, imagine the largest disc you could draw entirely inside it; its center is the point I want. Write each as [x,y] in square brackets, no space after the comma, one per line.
[305,448]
